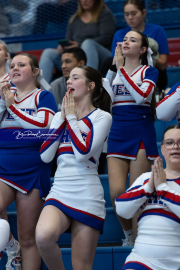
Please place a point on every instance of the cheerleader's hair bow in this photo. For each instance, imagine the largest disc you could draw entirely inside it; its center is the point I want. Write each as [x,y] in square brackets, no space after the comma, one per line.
[149,57]
[42,81]
[107,87]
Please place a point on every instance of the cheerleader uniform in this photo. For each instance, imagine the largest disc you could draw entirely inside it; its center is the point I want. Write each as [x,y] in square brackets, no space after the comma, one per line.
[157,246]
[132,124]
[77,190]
[169,106]
[20,164]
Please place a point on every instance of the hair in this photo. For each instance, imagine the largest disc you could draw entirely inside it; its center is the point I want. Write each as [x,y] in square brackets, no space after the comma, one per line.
[98,6]
[138,3]
[78,53]
[34,64]
[5,47]
[100,97]
[144,61]
[170,127]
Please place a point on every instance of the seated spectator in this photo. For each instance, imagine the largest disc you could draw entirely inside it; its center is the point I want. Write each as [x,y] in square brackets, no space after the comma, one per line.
[91,28]
[169,106]
[135,14]
[70,59]
[156,196]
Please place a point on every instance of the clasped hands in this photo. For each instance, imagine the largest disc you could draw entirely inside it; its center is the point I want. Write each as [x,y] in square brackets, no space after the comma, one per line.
[6,93]
[68,105]
[118,59]
[158,175]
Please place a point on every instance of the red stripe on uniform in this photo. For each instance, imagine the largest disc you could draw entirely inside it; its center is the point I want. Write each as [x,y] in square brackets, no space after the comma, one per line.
[77,210]
[136,71]
[83,148]
[160,211]
[142,73]
[135,87]
[129,101]
[6,77]
[169,195]
[45,144]
[16,185]
[147,267]
[43,110]
[65,149]
[165,99]
[120,154]
[33,122]
[36,98]
[17,102]
[87,123]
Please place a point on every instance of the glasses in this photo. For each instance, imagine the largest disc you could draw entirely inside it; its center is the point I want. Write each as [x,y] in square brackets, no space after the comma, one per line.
[169,144]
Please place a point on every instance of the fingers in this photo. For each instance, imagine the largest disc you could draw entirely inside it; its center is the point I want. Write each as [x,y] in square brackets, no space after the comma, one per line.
[159,174]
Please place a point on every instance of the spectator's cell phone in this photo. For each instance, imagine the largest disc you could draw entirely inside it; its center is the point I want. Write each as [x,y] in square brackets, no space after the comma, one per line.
[64,42]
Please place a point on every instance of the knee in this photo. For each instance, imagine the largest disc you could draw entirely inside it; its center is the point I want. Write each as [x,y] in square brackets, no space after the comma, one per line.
[43,239]
[87,44]
[49,54]
[27,240]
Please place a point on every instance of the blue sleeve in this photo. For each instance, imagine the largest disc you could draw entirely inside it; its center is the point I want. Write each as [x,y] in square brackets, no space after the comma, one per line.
[151,74]
[162,41]
[173,89]
[47,100]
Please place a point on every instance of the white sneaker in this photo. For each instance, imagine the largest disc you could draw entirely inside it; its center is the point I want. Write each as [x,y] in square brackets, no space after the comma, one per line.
[14,260]
[127,242]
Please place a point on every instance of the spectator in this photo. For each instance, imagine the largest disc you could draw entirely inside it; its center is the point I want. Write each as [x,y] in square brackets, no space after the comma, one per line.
[156,197]
[135,14]
[91,28]
[70,59]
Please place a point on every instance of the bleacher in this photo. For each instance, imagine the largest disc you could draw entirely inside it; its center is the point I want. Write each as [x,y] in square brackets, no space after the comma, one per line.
[110,255]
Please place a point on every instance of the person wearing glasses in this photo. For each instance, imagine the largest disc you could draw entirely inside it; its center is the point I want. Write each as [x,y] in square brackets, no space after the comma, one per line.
[156,196]
[169,106]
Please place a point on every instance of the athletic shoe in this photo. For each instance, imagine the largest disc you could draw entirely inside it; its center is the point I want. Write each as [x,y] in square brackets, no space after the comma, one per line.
[14,260]
[127,242]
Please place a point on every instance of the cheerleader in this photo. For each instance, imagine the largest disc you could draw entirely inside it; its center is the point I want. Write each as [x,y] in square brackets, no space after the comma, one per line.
[156,197]
[76,200]
[23,176]
[132,139]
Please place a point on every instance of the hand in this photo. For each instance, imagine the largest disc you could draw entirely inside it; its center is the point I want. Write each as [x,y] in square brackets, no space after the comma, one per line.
[74,45]
[151,179]
[60,49]
[63,115]
[118,57]
[2,85]
[9,97]
[159,174]
[70,105]
[114,60]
